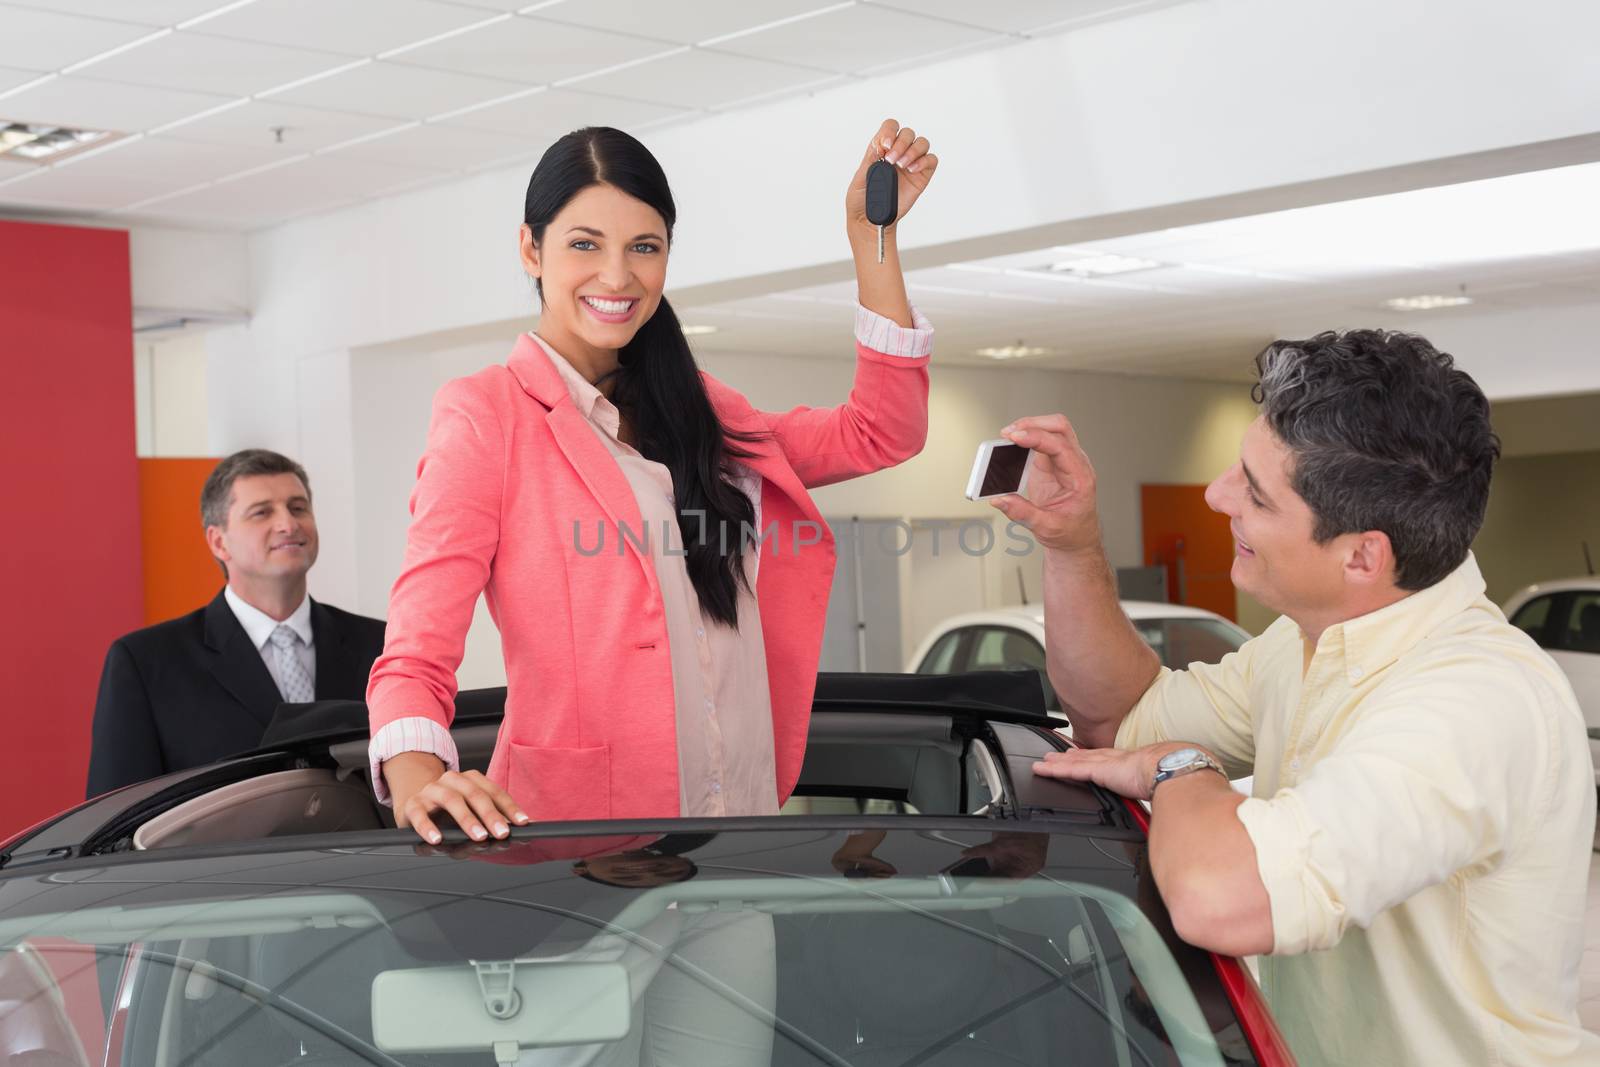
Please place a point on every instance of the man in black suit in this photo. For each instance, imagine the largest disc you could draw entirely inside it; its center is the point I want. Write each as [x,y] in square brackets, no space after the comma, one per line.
[191,690]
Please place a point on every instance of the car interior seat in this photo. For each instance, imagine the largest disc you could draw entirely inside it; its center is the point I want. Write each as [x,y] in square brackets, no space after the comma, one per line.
[311,800]
[35,1030]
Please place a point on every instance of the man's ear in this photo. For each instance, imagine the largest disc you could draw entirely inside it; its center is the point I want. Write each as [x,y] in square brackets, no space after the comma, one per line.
[529,251]
[215,543]
[1370,560]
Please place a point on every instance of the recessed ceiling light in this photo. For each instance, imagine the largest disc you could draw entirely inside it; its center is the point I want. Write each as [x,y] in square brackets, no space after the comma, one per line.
[1016,351]
[696,331]
[1426,303]
[1098,266]
[39,142]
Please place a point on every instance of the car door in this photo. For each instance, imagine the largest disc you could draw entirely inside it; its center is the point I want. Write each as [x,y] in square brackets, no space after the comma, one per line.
[1574,643]
[1006,648]
[1182,641]
[1567,626]
[948,654]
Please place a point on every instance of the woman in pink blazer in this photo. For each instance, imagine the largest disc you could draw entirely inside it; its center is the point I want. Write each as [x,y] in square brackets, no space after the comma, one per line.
[643,535]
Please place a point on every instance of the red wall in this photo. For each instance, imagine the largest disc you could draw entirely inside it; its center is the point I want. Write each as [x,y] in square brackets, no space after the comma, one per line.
[70,578]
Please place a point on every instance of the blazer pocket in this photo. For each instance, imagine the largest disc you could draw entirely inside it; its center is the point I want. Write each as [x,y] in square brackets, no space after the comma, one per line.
[561,784]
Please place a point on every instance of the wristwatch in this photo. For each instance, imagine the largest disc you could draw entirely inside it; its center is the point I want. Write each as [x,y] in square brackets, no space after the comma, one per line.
[1183,761]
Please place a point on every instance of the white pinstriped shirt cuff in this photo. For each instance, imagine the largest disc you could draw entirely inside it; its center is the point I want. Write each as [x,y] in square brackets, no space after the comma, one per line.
[415,733]
[884,335]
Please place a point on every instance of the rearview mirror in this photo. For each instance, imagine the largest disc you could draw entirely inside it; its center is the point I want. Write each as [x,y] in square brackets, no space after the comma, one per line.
[500,1005]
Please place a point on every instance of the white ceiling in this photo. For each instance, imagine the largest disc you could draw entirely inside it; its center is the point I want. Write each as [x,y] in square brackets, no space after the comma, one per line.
[374,96]
[1226,288]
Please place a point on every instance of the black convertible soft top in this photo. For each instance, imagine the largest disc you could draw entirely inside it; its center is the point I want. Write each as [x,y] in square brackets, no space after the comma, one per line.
[1016,696]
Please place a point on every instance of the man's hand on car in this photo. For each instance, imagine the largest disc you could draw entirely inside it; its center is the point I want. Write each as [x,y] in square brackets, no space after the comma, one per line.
[1128,772]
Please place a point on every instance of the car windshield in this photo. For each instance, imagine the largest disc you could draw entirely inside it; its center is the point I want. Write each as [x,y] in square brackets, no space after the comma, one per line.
[944,945]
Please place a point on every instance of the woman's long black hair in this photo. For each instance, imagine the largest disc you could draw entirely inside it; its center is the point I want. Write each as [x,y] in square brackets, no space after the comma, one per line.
[658,384]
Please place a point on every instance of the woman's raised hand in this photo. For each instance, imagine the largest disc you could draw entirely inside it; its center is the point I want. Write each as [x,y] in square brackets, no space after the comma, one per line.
[914,163]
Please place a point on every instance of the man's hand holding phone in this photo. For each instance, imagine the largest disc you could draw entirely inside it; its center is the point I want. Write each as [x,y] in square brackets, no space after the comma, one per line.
[1057,503]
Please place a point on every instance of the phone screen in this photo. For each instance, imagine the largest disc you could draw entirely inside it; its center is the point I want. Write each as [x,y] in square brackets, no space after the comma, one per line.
[973,867]
[1004,473]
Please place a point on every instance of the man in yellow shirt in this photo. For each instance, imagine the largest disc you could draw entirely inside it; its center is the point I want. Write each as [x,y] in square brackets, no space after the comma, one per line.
[1413,864]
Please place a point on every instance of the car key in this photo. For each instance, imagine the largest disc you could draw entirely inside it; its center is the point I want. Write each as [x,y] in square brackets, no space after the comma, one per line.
[883,198]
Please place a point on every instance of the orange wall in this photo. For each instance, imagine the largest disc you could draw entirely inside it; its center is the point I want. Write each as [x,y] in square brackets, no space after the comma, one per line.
[1176,521]
[180,573]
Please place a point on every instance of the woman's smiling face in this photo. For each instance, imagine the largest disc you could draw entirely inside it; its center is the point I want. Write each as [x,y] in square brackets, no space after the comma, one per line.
[601,265]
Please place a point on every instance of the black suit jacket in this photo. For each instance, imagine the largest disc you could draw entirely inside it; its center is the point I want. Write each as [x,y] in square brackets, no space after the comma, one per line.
[192,690]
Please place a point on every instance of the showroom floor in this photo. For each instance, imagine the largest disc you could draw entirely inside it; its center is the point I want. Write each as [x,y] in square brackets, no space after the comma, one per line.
[1589,973]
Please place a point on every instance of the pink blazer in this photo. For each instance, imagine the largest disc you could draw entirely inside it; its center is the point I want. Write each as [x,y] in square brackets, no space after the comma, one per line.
[510,466]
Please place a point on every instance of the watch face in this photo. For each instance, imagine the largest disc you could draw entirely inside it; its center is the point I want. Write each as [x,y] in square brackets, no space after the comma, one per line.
[1173,760]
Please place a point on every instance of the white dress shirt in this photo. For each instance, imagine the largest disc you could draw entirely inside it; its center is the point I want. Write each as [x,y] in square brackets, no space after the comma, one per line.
[258,626]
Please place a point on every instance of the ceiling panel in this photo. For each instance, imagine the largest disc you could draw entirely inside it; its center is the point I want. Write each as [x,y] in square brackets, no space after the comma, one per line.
[10,78]
[436,146]
[85,190]
[305,129]
[1021,16]
[155,159]
[701,79]
[680,23]
[46,40]
[154,13]
[855,39]
[100,105]
[317,184]
[397,91]
[351,27]
[545,115]
[200,63]
[532,51]
[493,5]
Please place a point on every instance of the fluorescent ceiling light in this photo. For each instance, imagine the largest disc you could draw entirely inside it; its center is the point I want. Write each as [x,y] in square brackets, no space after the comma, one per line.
[39,142]
[1016,351]
[1425,303]
[1100,265]
[698,331]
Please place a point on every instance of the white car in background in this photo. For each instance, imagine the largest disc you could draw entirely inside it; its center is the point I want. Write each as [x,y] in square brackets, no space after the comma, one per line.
[1008,638]
[1564,618]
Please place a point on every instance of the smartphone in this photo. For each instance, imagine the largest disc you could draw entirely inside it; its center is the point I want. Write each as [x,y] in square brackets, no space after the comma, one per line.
[971,867]
[999,468]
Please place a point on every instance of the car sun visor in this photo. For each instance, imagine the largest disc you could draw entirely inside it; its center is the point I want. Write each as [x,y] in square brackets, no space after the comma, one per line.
[500,1006]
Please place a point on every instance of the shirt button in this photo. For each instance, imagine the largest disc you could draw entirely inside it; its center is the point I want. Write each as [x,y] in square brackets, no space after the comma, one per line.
[1294,764]
[710,706]
[700,632]
[1355,673]
[716,787]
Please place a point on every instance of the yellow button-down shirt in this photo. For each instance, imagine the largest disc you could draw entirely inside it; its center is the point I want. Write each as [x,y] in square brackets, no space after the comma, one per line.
[1423,815]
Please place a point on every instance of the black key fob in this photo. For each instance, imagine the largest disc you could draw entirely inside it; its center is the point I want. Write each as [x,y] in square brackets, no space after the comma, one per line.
[883,193]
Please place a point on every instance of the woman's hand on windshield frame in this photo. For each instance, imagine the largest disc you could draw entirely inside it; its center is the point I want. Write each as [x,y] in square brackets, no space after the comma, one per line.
[422,787]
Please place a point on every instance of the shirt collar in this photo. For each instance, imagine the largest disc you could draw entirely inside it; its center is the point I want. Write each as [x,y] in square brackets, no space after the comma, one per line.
[258,625]
[590,402]
[1372,641]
